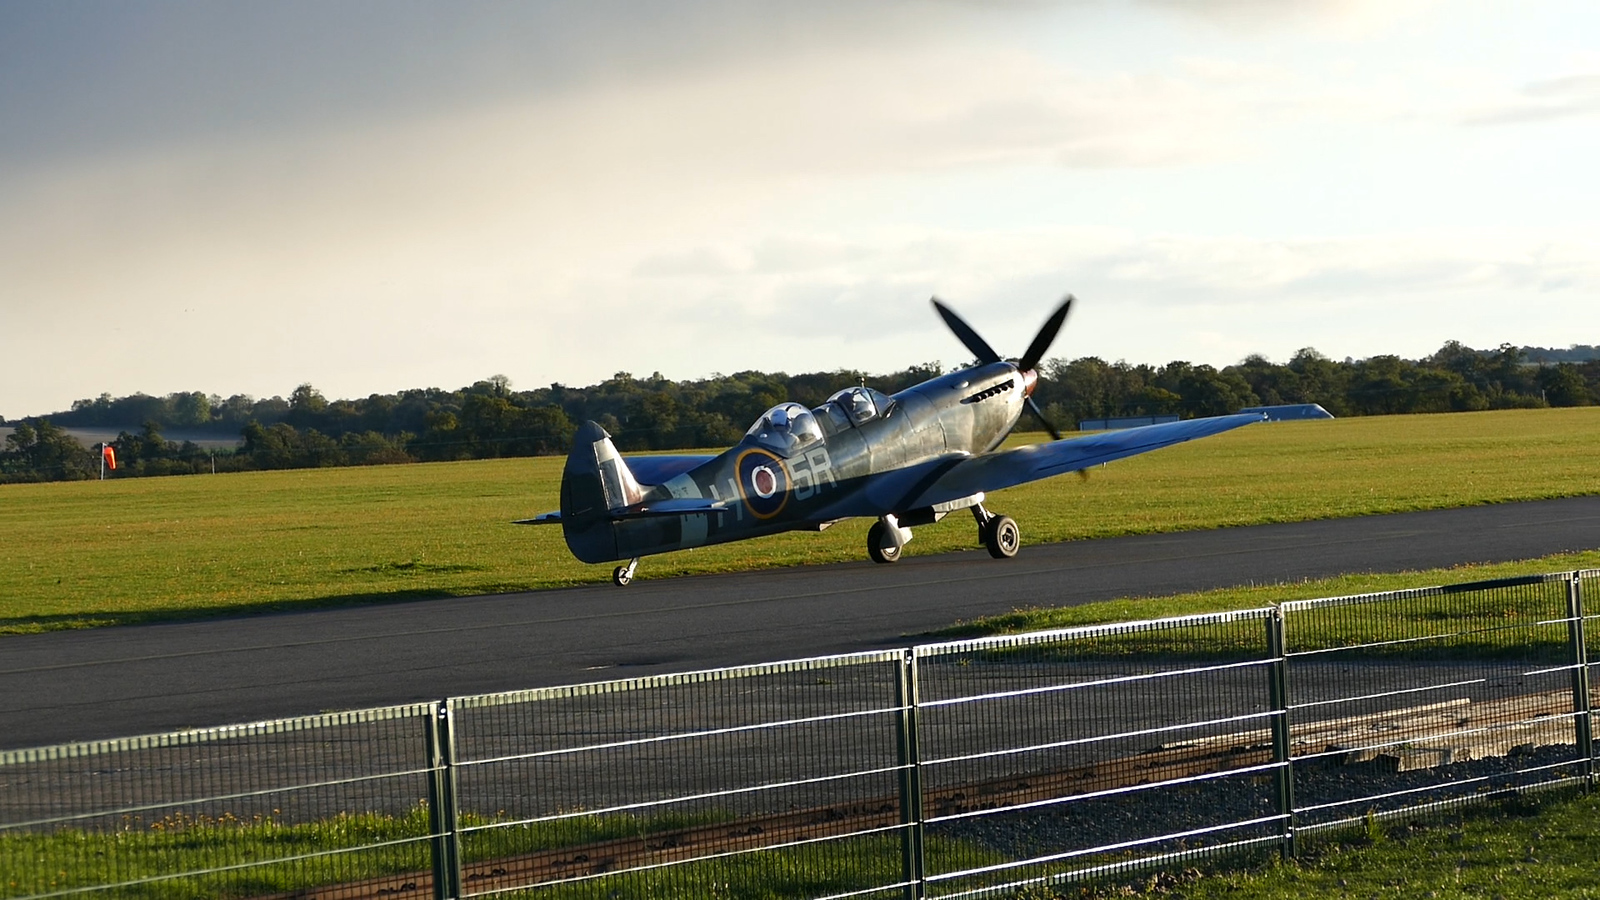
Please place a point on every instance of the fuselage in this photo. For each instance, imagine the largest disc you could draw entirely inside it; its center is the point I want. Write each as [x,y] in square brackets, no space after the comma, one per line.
[796,468]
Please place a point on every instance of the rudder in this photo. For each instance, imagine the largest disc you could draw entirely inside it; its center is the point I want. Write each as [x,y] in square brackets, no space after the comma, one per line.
[595,482]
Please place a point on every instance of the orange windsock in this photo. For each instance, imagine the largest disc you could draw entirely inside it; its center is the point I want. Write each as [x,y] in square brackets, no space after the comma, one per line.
[109,453]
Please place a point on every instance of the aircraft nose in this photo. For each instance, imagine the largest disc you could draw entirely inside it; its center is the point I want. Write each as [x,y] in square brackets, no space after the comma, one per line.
[1029,379]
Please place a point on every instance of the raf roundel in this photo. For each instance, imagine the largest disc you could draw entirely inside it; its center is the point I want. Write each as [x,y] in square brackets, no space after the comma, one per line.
[763,482]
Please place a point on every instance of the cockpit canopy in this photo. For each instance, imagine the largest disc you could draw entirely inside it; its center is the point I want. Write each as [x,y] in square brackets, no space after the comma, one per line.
[861,404]
[785,429]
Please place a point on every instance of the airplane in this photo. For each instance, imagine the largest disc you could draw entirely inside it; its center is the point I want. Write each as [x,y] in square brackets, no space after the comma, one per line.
[905,460]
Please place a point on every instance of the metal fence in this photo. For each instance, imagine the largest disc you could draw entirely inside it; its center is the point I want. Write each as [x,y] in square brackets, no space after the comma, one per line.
[962,769]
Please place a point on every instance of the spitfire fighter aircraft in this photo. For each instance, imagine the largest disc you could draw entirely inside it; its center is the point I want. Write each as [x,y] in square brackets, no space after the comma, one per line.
[905,460]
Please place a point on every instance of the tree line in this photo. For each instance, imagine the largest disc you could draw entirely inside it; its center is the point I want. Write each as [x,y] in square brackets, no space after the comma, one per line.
[489,419]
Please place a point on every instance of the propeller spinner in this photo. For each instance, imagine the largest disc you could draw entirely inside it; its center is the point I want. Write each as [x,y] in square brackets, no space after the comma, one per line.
[1028,364]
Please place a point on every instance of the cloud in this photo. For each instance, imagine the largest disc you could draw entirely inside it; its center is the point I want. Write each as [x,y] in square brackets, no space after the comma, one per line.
[1544,101]
[1343,18]
[78,79]
[1155,298]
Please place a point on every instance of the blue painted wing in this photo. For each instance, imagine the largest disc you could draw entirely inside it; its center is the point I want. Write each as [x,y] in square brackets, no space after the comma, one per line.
[649,470]
[1009,468]
[959,475]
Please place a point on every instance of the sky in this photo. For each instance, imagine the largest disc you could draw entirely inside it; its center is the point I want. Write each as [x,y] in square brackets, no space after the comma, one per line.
[373,196]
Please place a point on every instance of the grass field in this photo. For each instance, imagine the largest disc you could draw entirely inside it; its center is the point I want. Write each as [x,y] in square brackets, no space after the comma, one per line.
[1515,850]
[96,553]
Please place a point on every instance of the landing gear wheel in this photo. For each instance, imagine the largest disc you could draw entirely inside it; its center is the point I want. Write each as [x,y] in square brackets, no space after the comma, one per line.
[1002,537]
[875,548]
[621,575]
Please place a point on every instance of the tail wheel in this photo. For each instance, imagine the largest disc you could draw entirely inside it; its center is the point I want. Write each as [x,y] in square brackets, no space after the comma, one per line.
[621,575]
[1002,537]
[875,548]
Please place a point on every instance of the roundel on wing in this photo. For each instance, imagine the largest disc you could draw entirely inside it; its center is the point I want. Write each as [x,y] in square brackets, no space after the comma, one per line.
[763,482]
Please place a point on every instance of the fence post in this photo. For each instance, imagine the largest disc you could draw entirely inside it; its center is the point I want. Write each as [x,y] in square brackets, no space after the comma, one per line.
[1278,698]
[1582,720]
[443,816]
[912,861]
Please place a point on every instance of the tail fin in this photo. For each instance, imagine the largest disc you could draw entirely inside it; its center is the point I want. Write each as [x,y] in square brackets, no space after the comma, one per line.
[595,483]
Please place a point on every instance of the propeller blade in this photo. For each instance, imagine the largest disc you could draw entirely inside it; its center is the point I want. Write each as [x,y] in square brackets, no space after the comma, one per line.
[969,338]
[1042,340]
[1039,414]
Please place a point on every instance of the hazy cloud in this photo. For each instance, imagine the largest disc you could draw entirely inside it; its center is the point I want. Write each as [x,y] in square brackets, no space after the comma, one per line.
[1543,101]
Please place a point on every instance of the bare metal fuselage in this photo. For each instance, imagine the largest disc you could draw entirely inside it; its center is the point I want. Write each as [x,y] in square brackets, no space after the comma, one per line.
[764,490]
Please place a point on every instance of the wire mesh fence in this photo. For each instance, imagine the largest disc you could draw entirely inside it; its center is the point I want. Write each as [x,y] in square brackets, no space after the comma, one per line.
[224,812]
[970,768]
[678,786]
[1430,696]
[1046,756]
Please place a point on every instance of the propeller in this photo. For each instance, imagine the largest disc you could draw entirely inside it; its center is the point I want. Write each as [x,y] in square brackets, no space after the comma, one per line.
[1028,364]
[969,338]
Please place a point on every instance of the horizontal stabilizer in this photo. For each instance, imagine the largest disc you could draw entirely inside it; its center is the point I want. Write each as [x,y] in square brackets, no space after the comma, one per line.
[549,518]
[674,507]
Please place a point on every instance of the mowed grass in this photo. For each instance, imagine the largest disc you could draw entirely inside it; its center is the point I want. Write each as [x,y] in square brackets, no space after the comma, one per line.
[1514,849]
[97,553]
[1442,613]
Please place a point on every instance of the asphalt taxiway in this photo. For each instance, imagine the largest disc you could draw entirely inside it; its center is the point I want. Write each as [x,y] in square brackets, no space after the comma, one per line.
[116,682]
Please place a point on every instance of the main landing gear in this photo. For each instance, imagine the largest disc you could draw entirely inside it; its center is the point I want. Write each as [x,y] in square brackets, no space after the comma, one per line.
[876,550]
[885,539]
[621,575]
[998,533]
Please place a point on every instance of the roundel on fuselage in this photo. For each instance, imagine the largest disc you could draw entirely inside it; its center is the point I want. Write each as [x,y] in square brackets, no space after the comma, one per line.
[763,482]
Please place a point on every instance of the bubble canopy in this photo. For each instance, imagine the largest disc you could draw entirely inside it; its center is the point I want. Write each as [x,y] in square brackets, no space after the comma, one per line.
[862,403]
[785,429]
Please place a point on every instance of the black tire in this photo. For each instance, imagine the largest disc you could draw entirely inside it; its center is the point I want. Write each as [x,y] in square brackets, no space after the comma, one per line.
[875,549]
[620,576]
[1002,537]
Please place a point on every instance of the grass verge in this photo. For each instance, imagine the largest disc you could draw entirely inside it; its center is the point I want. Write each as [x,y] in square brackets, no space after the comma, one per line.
[234,857]
[1130,609]
[1516,849]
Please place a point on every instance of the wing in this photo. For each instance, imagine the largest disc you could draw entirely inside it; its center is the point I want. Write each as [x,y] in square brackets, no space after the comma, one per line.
[1008,468]
[958,475]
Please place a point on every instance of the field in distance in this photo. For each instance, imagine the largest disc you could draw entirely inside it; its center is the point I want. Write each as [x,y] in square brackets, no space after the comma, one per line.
[80,554]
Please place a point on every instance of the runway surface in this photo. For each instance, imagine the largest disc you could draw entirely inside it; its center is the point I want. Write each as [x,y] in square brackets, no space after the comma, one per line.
[116,682]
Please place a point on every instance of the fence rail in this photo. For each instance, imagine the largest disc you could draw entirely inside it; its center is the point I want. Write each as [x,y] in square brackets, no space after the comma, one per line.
[968,768]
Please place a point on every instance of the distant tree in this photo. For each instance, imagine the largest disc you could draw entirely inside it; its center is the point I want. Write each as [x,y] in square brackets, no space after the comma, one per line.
[1564,385]
[1379,386]
[191,410]
[284,447]
[307,398]
[1204,390]
[373,449]
[1272,384]
[44,451]
[1321,380]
